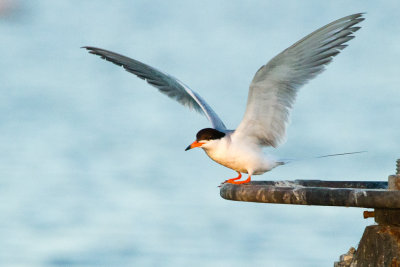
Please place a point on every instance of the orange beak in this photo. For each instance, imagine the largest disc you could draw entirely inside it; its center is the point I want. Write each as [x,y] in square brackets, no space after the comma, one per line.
[194,144]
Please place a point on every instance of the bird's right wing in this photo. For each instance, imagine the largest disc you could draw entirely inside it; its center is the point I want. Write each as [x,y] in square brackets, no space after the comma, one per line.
[165,83]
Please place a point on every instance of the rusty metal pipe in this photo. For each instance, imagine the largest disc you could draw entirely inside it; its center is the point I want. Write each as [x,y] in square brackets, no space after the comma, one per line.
[297,192]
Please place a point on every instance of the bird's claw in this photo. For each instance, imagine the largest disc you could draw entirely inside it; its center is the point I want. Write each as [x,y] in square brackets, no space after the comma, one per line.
[224,182]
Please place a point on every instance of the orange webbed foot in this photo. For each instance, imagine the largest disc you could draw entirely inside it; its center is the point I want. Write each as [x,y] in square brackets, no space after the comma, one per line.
[241,182]
[233,180]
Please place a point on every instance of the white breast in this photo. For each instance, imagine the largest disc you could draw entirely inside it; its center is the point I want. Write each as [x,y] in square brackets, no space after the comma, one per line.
[239,156]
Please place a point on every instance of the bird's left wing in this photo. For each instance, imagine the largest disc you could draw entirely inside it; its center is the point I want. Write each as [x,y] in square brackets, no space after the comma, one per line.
[165,83]
[274,87]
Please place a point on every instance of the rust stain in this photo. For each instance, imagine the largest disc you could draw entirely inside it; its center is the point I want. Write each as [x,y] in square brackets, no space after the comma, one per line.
[393,231]
[368,214]
[395,263]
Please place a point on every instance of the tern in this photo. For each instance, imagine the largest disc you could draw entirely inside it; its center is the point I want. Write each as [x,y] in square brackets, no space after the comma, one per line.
[270,99]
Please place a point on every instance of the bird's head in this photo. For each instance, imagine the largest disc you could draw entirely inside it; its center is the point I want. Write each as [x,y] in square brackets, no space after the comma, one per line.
[205,138]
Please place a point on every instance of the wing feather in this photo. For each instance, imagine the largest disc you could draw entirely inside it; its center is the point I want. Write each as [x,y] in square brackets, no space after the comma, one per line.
[165,83]
[274,87]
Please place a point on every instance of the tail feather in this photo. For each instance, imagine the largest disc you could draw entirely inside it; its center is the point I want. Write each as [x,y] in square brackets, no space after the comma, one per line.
[286,161]
[340,154]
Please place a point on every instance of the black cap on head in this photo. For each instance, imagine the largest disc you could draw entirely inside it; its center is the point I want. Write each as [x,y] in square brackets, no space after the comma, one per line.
[209,134]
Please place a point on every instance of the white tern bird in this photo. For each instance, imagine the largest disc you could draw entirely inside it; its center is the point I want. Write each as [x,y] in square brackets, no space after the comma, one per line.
[271,96]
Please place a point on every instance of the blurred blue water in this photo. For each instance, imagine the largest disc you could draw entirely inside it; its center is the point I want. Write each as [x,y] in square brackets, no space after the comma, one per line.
[93,170]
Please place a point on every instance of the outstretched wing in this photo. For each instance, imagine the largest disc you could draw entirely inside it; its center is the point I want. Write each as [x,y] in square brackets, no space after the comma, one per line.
[165,83]
[273,89]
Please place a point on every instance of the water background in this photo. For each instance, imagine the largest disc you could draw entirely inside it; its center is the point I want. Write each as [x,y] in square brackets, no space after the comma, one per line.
[93,170]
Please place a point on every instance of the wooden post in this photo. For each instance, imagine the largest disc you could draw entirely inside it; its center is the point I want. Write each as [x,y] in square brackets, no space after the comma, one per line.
[380,244]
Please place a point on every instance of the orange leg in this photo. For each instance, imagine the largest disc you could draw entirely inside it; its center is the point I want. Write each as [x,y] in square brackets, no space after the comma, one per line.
[233,179]
[240,182]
